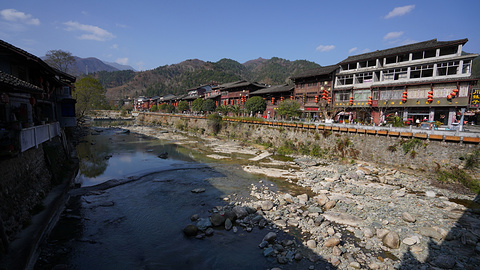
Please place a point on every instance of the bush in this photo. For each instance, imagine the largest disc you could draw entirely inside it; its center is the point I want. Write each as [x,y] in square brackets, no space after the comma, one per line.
[457,175]
[215,122]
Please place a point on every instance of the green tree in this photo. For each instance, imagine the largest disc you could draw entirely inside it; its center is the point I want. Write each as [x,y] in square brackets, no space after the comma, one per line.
[256,104]
[183,106]
[90,95]
[289,108]
[197,105]
[209,105]
[223,109]
[154,108]
[169,108]
[60,60]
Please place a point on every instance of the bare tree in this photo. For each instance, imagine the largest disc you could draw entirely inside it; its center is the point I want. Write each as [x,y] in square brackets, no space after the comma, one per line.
[60,60]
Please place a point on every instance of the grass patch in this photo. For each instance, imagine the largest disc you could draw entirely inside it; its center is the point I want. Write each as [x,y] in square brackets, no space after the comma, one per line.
[456,175]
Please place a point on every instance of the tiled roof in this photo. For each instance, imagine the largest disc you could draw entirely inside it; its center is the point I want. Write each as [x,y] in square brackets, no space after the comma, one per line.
[316,72]
[273,89]
[18,84]
[429,44]
[237,84]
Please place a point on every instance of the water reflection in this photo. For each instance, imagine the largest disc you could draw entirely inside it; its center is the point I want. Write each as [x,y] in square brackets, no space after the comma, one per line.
[113,153]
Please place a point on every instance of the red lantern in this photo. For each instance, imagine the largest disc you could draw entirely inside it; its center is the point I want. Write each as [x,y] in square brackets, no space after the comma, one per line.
[316,99]
[281,99]
[430,99]
[449,97]
[453,94]
[404,99]
[291,97]
[273,100]
[455,90]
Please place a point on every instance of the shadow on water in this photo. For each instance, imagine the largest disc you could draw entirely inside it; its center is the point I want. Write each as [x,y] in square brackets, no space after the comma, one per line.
[136,220]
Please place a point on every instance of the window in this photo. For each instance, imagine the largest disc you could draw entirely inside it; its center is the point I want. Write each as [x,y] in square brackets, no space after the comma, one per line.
[443,90]
[448,50]
[375,94]
[360,95]
[467,67]
[389,93]
[366,77]
[447,68]
[422,71]
[423,54]
[350,66]
[345,80]
[463,91]
[342,96]
[417,92]
[395,74]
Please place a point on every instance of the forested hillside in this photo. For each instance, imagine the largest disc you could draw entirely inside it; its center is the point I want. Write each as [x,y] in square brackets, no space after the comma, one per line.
[175,79]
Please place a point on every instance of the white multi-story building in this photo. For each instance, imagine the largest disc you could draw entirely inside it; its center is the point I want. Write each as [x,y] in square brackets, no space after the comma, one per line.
[430,80]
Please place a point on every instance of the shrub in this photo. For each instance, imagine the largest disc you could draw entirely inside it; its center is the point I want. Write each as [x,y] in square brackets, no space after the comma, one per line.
[215,122]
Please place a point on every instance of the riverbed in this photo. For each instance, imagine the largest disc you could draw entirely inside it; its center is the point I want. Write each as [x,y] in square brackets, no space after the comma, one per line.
[134,197]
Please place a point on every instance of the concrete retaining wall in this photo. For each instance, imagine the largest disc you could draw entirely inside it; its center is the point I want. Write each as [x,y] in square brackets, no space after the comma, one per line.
[379,146]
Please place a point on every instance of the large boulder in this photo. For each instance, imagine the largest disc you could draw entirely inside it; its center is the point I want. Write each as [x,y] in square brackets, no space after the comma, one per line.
[190,230]
[391,240]
[240,211]
[217,219]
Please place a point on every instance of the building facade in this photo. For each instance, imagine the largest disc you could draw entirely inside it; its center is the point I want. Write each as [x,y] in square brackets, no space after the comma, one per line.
[425,81]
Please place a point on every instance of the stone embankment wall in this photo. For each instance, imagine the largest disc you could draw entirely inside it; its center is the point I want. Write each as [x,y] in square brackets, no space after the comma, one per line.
[396,151]
[25,180]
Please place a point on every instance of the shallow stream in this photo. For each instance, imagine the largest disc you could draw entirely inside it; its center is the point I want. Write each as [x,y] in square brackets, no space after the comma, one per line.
[138,225]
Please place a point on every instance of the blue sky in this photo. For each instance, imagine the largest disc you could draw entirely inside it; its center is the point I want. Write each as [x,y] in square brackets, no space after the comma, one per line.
[148,34]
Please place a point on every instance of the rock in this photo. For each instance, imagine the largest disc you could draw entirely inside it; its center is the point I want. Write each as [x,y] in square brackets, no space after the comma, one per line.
[228,224]
[230,215]
[262,223]
[322,199]
[381,233]
[266,205]
[198,190]
[240,211]
[302,199]
[203,224]
[355,265]
[263,244]
[194,217]
[444,261]
[409,241]
[430,232]
[331,242]
[430,194]
[190,230]
[311,244]
[368,233]
[407,217]
[298,256]
[234,229]
[391,240]
[217,219]
[282,259]
[209,232]
[288,198]
[329,205]
[270,237]
[335,261]
[314,209]
[268,252]
[336,251]
[318,220]
[343,218]
[330,231]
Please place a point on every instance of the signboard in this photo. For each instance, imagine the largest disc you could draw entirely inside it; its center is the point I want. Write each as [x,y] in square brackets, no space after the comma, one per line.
[311,109]
[475,98]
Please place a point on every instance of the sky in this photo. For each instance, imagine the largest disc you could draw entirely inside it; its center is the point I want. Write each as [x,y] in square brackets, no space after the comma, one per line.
[149,34]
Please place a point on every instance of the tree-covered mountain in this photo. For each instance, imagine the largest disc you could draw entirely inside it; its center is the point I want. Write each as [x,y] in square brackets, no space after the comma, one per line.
[177,78]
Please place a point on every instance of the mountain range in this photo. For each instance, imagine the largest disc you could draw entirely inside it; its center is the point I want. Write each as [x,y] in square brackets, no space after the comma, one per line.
[178,78]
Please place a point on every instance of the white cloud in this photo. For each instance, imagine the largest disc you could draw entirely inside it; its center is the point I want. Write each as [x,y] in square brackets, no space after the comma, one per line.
[352,50]
[393,35]
[122,61]
[399,11]
[18,16]
[365,50]
[114,46]
[92,32]
[325,48]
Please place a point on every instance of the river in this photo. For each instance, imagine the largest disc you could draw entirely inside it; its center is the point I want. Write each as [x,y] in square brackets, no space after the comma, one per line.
[136,222]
